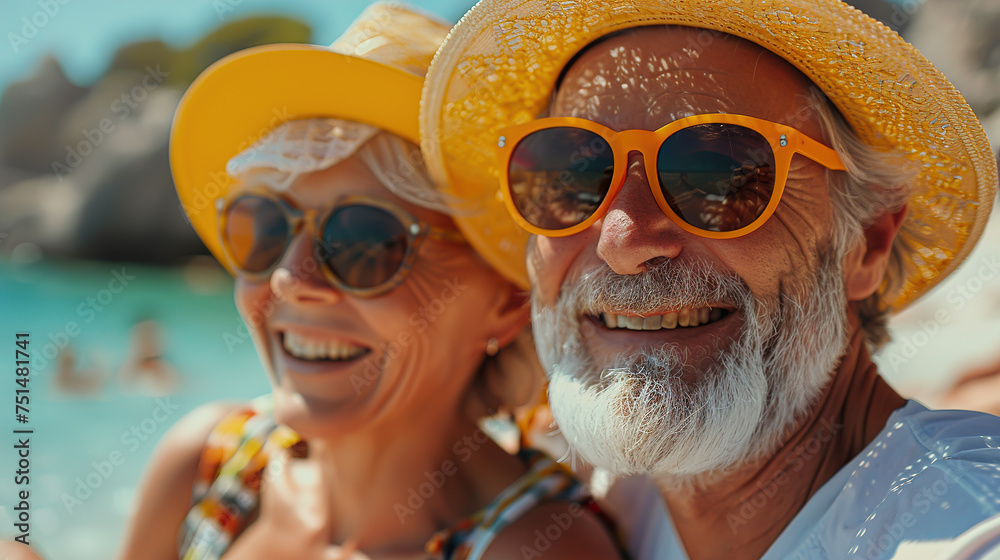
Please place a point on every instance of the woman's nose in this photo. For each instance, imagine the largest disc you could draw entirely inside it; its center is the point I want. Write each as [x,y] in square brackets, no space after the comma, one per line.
[299,277]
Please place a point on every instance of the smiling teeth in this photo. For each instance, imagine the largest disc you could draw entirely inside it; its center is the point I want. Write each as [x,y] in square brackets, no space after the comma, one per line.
[687,317]
[315,349]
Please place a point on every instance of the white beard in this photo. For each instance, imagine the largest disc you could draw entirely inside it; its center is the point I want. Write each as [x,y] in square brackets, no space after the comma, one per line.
[635,415]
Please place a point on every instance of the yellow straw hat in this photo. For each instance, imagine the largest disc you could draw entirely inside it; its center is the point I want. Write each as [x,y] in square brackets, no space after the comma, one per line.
[372,74]
[499,65]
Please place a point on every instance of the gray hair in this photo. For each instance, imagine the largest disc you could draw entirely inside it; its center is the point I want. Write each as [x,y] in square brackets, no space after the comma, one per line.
[302,146]
[399,165]
[877,182]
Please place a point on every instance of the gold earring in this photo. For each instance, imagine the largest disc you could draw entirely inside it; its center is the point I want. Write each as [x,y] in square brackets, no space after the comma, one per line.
[492,346]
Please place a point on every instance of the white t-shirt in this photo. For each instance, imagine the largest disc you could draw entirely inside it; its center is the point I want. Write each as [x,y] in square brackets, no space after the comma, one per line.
[928,486]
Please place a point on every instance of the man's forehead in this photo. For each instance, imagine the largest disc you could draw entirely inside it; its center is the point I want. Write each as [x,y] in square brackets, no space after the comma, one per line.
[647,77]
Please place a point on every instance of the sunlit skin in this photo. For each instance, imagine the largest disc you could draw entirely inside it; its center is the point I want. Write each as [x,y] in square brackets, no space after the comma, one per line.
[645,79]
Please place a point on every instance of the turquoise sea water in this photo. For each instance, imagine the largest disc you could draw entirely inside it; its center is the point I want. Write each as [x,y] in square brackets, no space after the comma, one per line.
[79,499]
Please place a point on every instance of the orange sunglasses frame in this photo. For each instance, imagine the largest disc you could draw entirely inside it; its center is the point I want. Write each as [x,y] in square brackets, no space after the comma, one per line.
[784,140]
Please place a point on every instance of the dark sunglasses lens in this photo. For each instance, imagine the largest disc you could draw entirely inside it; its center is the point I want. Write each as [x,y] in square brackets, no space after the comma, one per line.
[717,176]
[256,233]
[560,176]
[365,245]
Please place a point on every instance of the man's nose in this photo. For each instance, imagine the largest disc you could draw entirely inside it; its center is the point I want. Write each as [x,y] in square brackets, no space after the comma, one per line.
[635,233]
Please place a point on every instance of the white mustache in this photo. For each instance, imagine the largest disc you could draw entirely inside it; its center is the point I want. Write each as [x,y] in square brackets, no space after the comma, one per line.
[669,284]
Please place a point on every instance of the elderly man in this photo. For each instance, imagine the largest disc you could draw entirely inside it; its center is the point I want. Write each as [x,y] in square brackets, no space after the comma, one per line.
[727,198]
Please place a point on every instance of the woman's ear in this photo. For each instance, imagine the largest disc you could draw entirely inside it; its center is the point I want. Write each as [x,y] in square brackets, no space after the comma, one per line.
[511,374]
[865,265]
[513,378]
[510,314]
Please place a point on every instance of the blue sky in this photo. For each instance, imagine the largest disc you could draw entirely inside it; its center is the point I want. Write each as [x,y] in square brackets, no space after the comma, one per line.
[84,34]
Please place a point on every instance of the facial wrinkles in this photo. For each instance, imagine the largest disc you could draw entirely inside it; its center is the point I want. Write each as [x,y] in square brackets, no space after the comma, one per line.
[402,368]
[434,265]
[806,190]
[801,238]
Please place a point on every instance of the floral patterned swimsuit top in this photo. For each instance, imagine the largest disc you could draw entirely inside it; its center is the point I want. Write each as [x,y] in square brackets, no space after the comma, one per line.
[227,490]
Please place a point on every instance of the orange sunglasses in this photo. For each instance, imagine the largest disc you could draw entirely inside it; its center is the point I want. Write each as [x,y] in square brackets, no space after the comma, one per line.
[719,176]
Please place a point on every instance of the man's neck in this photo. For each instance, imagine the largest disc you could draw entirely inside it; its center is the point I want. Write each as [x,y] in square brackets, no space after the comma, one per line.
[741,514]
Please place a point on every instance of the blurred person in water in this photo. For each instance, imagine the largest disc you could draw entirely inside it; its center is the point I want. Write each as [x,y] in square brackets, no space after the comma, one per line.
[70,379]
[145,370]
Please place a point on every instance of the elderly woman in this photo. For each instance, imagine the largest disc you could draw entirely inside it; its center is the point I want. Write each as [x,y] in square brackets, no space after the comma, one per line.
[384,335]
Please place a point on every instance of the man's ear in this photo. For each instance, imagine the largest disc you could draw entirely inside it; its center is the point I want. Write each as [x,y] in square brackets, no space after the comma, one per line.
[865,265]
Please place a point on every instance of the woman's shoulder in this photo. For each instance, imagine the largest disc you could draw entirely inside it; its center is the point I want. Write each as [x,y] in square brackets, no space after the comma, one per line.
[234,463]
[178,455]
[555,530]
[547,512]
[175,461]
[164,493]
[223,432]
[192,431]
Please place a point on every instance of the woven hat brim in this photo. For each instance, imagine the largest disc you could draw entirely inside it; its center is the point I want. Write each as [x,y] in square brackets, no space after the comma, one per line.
[499,65]
[242,97]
